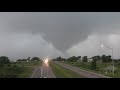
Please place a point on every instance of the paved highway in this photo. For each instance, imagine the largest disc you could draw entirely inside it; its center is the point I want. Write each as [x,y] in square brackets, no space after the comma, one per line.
[43,72]
[46,71]
[36,73]
[85,73]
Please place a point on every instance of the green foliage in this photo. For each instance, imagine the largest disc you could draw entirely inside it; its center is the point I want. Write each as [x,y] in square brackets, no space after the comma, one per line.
[35,58]
[10,72]
[79,57]
[84,59]
[28,58]
[106,59]
[4,60]
[73,59]
[8,65]
[19,60]
[70,59]
[93,64]
[58,58]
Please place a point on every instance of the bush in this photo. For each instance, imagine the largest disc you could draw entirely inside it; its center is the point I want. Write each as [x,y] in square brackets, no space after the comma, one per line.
[93,65]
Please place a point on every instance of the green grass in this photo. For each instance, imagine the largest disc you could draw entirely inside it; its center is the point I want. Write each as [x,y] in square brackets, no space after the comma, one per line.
[18,72]
[22,69]
[86,66]
[28,64]
[28,68]
[117,74]
[26,73]
[61,72]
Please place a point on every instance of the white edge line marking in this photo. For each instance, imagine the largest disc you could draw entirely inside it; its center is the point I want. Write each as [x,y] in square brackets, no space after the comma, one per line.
[41,72]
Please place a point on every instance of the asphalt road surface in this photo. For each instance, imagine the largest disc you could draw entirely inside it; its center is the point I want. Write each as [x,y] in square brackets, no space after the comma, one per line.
[85,73]
[43,72]
[46,71]
[36,73]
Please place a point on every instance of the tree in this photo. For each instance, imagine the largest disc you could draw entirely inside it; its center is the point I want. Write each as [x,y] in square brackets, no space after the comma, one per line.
[19,60]
[79,57]
[58,58]
[4,60]
[93,63]
[98,57]
[104,60]
[28,58]
[63,59]
[54,59]
[72,59]
[84,59]
[23,60]
[35,58]
[108,58]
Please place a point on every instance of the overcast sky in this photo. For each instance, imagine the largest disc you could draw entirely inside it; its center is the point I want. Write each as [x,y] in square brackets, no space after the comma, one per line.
[52,34]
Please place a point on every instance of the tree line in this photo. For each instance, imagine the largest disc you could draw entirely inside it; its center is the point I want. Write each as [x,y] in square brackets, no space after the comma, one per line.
[85,59]
[102,58]
[30,59]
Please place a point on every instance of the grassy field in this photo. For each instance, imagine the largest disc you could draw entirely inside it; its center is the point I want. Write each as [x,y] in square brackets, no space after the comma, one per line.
[26,73]
[61,72]
[86,66]
[18,69]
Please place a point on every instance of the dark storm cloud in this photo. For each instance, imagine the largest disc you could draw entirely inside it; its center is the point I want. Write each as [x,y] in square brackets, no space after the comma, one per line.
[62,29]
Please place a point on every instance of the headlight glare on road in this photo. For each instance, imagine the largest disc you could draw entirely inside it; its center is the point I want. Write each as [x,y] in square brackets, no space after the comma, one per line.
[46,60]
